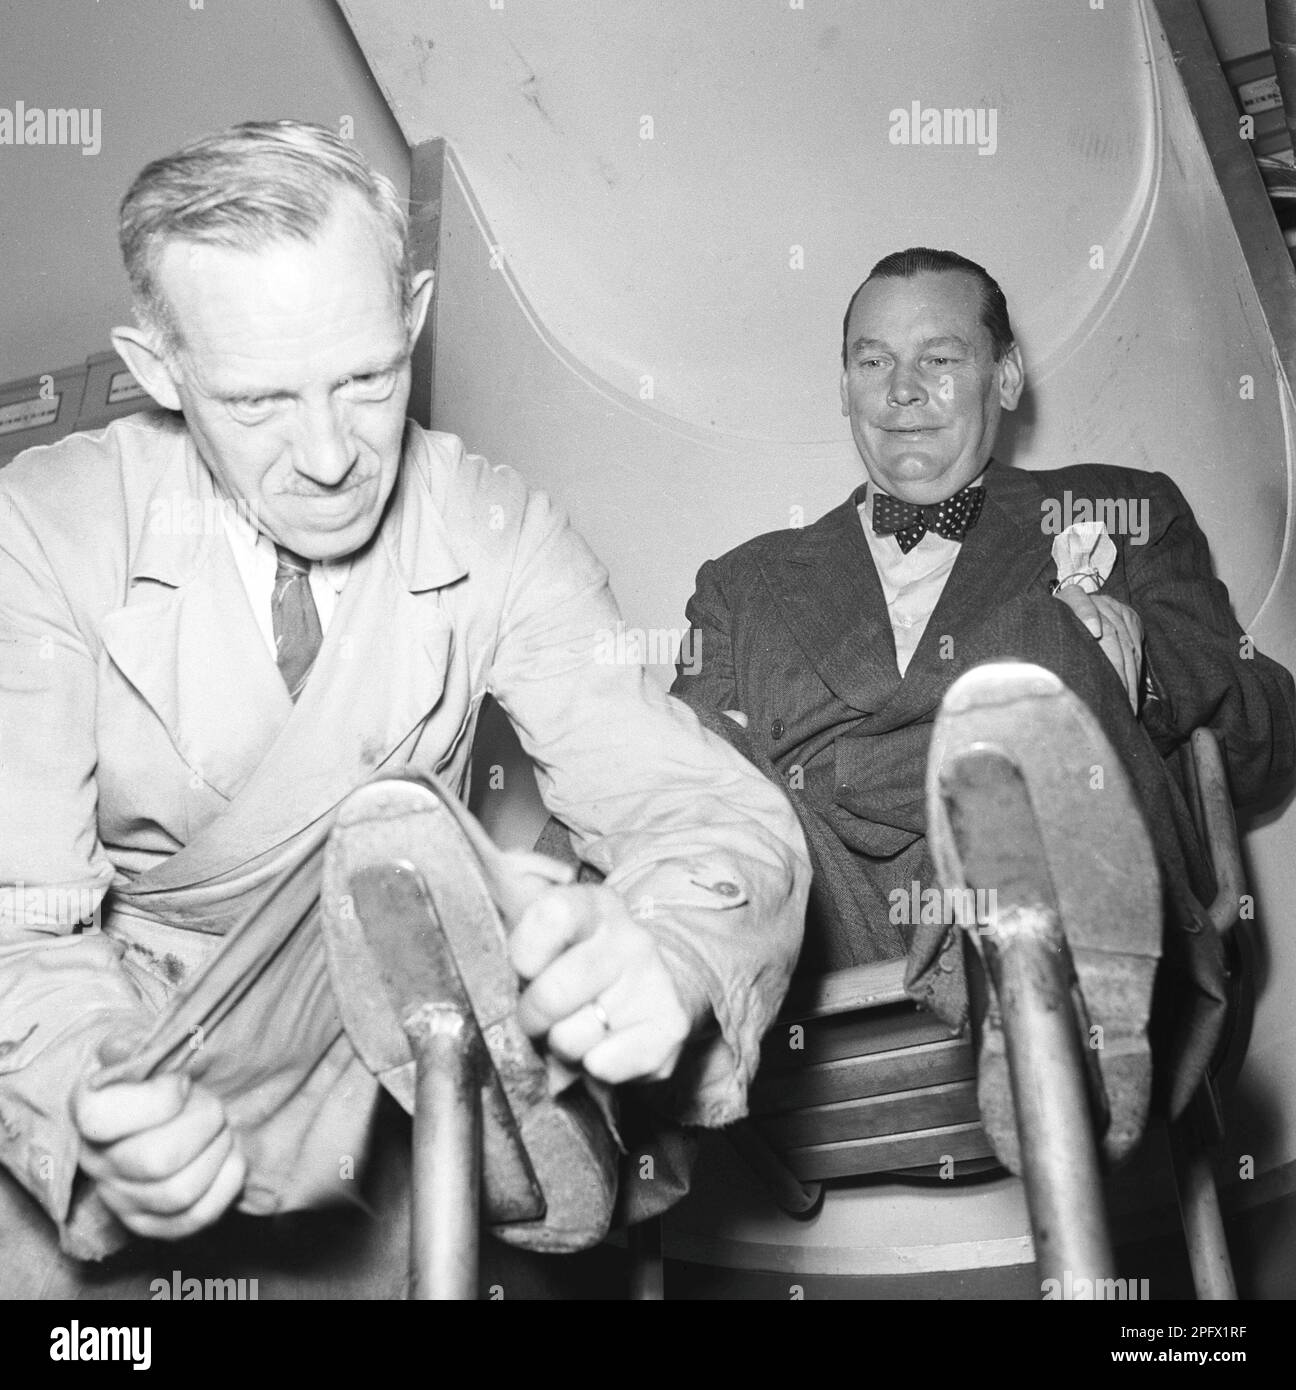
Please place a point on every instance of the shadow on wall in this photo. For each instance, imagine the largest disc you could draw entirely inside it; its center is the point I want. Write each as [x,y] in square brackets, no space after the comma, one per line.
[158,73]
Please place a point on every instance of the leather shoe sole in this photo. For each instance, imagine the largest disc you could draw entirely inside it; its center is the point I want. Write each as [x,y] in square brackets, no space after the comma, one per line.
[406,857]
[1063,841]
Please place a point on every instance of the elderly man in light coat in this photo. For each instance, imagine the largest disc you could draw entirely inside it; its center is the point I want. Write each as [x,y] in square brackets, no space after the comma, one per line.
[174,746]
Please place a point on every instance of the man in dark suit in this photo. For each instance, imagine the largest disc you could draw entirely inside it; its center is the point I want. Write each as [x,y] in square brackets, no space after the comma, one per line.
[834,644]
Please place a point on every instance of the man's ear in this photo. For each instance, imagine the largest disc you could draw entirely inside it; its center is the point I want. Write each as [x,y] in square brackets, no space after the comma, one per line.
[139,350]
[420,298]
[845,394]
[1012,378]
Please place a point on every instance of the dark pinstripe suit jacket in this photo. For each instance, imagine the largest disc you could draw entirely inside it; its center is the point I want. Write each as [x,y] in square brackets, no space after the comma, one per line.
[792,628]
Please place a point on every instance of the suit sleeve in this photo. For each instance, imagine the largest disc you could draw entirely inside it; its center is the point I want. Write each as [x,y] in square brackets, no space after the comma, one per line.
[1205,671]
[706,678]
[62,988]
[706,853]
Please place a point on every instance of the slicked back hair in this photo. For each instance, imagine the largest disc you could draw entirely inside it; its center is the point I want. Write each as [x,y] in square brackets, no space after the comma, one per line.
[247,188]
[918,260]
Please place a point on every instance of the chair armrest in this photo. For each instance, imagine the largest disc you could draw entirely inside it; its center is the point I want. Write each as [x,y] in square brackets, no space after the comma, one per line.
[844,991]
[1214,814]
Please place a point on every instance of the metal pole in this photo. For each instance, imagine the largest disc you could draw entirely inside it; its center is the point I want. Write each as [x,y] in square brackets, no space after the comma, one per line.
[1023,944]
[647,1267]
[1059,1152]
[447,1154]
[1199,1209]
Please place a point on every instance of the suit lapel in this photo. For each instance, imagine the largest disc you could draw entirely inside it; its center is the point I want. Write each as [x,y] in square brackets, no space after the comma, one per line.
[1002,557]
[827,590]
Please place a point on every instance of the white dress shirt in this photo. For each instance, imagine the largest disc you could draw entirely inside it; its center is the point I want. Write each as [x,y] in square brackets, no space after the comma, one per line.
[912,583]
[254,554]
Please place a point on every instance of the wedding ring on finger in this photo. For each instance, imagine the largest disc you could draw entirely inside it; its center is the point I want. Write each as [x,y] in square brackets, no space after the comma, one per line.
[600,1013]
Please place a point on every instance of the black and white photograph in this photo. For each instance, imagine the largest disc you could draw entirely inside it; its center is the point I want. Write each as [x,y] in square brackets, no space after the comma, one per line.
[646,654]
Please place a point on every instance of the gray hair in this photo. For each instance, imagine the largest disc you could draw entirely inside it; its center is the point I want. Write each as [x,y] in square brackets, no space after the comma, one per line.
[246,188]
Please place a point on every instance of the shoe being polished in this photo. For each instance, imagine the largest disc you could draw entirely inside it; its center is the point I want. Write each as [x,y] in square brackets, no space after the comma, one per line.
[406,863]
[1055,838]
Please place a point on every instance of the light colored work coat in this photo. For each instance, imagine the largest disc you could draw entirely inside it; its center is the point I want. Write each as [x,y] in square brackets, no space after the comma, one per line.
[154,773]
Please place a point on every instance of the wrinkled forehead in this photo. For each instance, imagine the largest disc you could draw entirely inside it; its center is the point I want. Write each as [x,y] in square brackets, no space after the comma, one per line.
[266,303]
[349,249]
[930,306]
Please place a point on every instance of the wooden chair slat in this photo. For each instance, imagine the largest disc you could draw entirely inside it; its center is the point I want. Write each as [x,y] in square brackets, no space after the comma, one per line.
[874,1074]
[886,1029]
[885,1154]
[855,987]
[872,1117]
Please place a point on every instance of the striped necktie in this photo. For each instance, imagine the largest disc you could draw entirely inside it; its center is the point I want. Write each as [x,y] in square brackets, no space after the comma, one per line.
[297,630]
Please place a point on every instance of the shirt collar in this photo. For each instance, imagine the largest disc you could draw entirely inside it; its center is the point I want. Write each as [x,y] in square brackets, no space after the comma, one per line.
[243,533]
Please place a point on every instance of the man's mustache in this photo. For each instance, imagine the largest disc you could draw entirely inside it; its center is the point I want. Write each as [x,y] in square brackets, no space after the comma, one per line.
[319,493]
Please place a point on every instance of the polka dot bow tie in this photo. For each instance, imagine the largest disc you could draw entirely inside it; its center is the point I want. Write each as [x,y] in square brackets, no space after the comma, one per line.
[953,518]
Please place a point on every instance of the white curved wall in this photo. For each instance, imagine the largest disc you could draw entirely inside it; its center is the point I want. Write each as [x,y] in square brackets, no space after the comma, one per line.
[625,258]
[669,260]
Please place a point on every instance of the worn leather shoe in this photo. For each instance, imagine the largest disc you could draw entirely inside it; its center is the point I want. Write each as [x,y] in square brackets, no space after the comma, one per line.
[406,863]
[1063,840]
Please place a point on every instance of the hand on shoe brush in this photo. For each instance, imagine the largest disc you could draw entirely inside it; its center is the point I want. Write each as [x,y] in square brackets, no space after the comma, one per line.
[161,1151]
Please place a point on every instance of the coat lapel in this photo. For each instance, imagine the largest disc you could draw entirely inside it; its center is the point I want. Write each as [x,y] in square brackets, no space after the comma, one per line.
[1003,556]
[380,671]
[187,640]
[827,590]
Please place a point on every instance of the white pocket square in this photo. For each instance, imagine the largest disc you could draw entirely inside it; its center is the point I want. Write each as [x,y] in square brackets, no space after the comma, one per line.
[1084,555]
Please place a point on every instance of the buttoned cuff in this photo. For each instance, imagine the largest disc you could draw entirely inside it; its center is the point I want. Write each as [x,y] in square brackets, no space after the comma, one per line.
[729,934]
